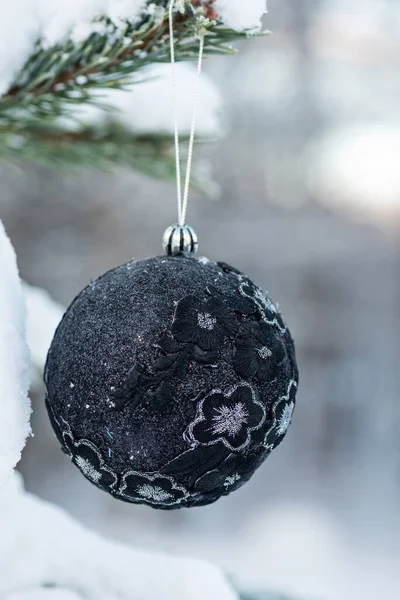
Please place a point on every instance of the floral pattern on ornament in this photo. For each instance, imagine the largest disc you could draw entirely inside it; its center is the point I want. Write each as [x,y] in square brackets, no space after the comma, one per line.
[140,385]
[152,488]
[230,418]
[204,323]
[89,460]
[84,454]
[265,307]
[148,488]
[198,330]
[155,384]
[282,413]
[176,356]
[232,473]
[259,352]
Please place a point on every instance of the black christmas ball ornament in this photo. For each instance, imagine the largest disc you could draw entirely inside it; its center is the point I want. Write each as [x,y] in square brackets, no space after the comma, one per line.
[170,380]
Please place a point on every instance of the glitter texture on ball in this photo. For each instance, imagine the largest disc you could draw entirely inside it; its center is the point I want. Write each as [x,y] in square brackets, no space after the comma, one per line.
[170,380]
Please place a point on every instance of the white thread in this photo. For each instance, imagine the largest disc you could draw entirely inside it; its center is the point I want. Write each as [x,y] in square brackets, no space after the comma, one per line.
[175,105]
[183,202]
[192,130]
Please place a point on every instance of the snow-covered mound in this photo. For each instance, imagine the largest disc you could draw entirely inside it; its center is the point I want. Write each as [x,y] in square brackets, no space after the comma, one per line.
[14,362]
[46,555]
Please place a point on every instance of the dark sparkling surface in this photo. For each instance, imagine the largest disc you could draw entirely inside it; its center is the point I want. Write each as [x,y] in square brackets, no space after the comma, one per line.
[114,324]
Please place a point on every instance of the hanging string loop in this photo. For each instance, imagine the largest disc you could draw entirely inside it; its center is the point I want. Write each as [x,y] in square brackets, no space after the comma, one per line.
[179,5]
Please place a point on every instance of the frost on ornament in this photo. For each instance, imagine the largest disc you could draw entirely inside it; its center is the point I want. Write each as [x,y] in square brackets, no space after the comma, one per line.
[183,380]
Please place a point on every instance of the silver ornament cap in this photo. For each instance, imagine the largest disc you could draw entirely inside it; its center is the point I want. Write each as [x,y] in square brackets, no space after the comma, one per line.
[179,238]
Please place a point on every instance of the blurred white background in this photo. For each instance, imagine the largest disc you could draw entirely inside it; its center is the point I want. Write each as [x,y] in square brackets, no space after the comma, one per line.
[310,208]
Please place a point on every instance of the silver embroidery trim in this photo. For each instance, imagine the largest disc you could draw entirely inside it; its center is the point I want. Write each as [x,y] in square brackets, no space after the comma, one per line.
[83,442]
[284,421]
[88,469]
[264,352]
[229,419]
[151,492]
[66,432]
[206,321]
[200,418]
[103,466]
[263,304]
[231,479]
[151,477]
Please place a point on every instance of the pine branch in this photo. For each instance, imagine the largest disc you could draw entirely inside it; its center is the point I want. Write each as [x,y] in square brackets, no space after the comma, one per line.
[55,80]
[150,154]
[109,59]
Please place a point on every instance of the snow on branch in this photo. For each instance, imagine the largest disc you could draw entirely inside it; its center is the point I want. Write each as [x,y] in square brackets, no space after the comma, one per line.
[241,14]
[61,55]
[24,22]
[105,37]
[14,362]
